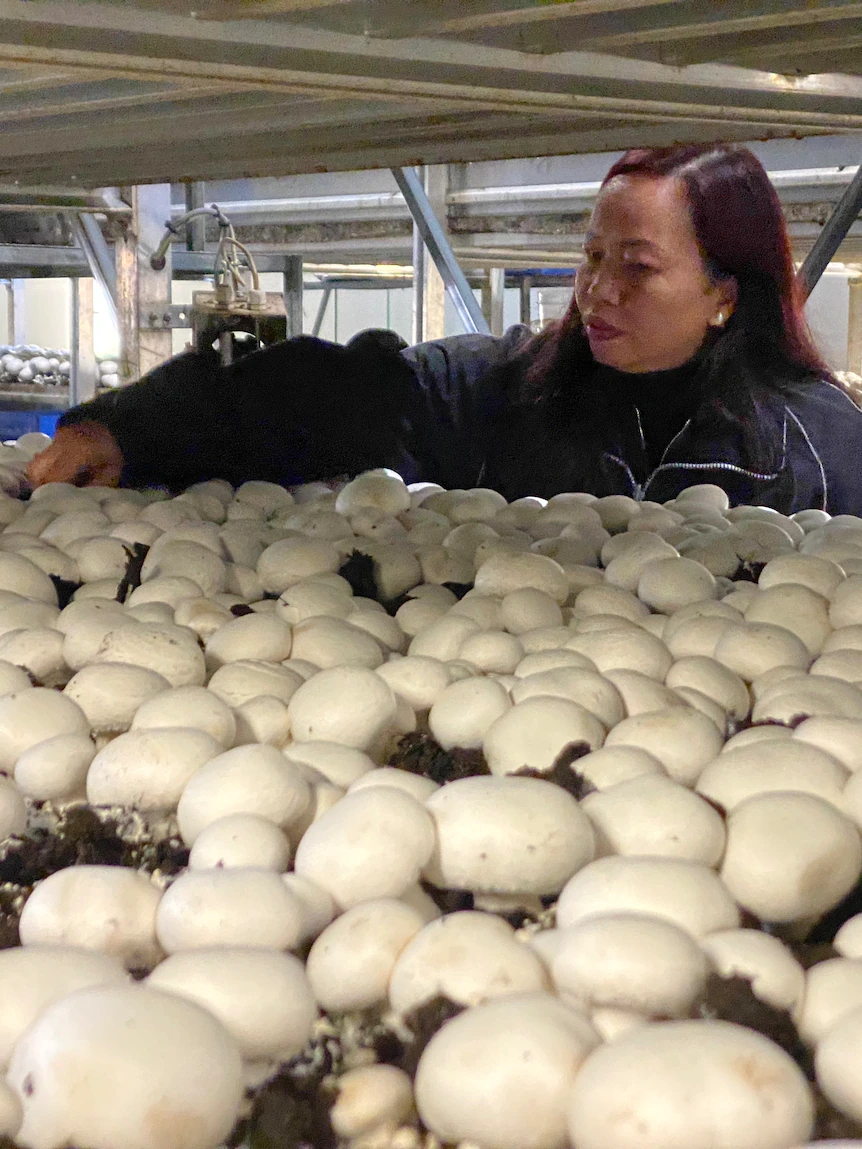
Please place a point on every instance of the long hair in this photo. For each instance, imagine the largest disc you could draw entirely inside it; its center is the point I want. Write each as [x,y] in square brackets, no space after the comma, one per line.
[739,226]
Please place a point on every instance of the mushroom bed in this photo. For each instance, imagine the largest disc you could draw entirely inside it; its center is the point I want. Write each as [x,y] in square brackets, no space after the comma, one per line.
[391,817]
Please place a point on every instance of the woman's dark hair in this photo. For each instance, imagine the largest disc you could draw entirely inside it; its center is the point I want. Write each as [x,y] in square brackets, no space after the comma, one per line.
[739,225]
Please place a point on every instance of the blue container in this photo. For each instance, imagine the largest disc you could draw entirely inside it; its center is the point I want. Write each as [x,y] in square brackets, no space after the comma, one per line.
[13,424]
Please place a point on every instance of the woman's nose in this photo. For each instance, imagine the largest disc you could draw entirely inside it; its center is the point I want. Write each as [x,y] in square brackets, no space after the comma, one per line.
[604,286]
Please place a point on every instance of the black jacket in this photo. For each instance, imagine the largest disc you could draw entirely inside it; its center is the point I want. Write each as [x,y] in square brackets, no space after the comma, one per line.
[307,410]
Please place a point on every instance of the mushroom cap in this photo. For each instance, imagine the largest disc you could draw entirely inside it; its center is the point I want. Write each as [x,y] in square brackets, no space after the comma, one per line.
[500,1075]
[160,1059]
[289,561]
[588,688]
[171,651]
[837,1064]
[776,976]
[371,844]
[503,573]
[832,990]
[110,693]
[790,856]
[246,780]
[690,1085]
[688,894]
[330,642]
[239,682]
[371,1098]
[418,680]
[191,707]
[110,909]
[347,704]
[713,679]
[464,711]
[679,825]
[28,717]
[21,576]
[340,765]
[507,836]
[228,907]
[614,764]
[253,636]
[533,733]
[55,769]
[796,608]
[752,648]
[769,765]
[244,841]
[528,608]
[263,998]
[668,584]
[13,679]
[467,957]
[683,739]
[148,769]
[626,648]
[632,962]
[32,977]
[351,962]
[818,574]
[797,698]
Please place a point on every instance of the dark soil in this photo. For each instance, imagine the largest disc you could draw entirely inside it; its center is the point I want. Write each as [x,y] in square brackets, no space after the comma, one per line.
[82,837]
[419,753]
[65,588]
[561,773]
[131,580]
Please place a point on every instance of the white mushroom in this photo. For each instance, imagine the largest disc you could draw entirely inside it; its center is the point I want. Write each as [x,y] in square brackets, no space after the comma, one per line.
[110,909]
[330,642]
[348,704]
[464,711]
[372,1101]
[631,962]
[171,651]
[524,1051]
[228,907]
[503,573]
[261,997]
[697,1084]
[466,957]
[614,764]
[533,734]
[244,841]
[110,693]
[254,636]
[28,717]
[351,962]
[339,764]
[750,649]
[770,765]
[56,769]
[837,1064]
[371,844]
[507,839]
[776,977]
[169,1078]
[680,824]
[624,649]
[418,680]
[192,707]
[688,894]
[32,977]
[239,682]
[832,990]
[682,739]
[790,856]
[246,780]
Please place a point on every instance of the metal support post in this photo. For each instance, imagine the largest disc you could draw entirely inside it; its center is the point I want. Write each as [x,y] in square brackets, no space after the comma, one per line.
[143,295]
[854,326]
[526,288]
[496,299]
[440,249]
[84,375]
[321,310]
[420,258]
[17,312]
[293,295]
[196,232]
[844,215]
[100,258]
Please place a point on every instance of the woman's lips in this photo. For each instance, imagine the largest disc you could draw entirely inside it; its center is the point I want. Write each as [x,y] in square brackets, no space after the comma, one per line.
[599,331]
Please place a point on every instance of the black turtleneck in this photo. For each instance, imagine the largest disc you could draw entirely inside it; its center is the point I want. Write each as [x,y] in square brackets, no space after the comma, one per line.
[665,401]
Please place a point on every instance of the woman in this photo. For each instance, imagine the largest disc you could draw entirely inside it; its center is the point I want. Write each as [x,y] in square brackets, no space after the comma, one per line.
[683,359]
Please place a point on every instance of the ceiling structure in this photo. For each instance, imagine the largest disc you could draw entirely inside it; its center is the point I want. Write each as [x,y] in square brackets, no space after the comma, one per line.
[114,92]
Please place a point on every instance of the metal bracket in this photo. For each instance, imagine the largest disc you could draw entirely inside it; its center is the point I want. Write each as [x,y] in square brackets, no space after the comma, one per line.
[437,243]
[165,316]
[98,254]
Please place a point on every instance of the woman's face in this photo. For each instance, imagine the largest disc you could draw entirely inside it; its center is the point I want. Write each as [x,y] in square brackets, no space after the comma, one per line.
[643,292]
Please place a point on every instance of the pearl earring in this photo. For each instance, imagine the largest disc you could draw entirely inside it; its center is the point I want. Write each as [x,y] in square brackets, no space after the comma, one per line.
[719,320]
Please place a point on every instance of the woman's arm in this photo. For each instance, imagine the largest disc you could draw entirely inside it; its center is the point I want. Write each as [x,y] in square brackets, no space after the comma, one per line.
[301,410]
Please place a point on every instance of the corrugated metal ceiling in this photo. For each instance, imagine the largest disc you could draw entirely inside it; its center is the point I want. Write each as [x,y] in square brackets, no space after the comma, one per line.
[132,91]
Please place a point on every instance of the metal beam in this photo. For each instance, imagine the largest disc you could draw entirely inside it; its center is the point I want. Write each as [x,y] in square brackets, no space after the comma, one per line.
[84,374]
[293,289]
[844,215]
[99,256]
[317,326]
[440,250]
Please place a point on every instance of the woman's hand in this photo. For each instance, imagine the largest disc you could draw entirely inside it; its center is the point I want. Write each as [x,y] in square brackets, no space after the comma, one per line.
[84,454]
